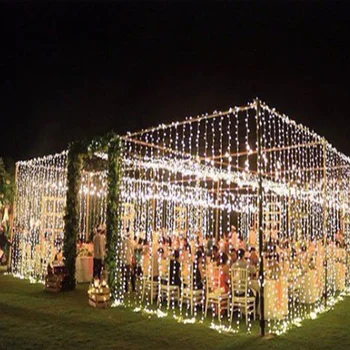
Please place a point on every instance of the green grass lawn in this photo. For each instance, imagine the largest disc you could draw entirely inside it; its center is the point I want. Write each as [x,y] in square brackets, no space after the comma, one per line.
[33,319]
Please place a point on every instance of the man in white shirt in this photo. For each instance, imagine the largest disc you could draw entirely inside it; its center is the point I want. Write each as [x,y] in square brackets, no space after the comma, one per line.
[99,252]
[234,238]
[252,237]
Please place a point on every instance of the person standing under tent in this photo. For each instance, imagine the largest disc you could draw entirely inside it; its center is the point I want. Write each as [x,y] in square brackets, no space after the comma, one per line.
[137,258]
[2,253]
[224,244]
[252,237]
[234,238]
[185,250]
[215,256]
[233,256]
[4,245]
[99,242]
[224,273]
[241,244]
[198,273]
[175,278]
[128,261]
[208,244]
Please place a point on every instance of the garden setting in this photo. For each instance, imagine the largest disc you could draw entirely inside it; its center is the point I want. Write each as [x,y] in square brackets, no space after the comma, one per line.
[33,319]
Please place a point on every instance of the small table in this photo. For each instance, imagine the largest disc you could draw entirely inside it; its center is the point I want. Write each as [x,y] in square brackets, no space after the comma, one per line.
[275,297]
[311,287]
[340,276]
[84,269]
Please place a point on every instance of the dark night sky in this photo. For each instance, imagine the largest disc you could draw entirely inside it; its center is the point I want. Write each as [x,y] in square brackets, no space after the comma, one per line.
[69,71]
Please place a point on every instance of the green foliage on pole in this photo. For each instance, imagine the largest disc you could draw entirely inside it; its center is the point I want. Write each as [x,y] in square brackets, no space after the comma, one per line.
[112,144]
[7,186]
[78,152]
[113,213]
[71,219]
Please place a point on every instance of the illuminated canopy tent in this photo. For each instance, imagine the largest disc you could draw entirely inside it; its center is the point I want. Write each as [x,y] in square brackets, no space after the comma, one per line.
[215,162]
[250,167]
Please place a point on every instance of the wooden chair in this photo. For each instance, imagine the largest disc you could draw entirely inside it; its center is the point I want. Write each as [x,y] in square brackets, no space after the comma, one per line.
[166,288]
[214,294]
[188,290]
[148,284]
[240,298]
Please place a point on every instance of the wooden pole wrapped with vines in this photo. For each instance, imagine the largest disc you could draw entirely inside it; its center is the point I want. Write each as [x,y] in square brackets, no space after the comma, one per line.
[113,215]
[71,218]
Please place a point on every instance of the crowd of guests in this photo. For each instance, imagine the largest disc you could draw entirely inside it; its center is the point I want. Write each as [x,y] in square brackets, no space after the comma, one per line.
[151,258]
[142,257]
[290,255]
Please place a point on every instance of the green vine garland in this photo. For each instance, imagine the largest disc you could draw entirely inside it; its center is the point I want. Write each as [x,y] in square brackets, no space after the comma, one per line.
[71,218]
[113,214]
[78,151]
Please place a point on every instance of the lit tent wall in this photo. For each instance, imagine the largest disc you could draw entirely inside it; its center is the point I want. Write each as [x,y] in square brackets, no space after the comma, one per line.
[250,167]
[273,174]
[40,209]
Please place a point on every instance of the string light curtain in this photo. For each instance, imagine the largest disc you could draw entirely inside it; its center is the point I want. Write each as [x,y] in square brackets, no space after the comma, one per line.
[305,195]
[215,178]
[39,210]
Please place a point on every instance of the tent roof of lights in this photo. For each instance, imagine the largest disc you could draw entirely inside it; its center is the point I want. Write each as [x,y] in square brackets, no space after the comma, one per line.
[221,149]
[215,162]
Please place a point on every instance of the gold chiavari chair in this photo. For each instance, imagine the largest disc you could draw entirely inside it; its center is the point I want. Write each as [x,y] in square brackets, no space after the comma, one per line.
[240,294]
[214,294]
[148,282]
[166,288]
[188,289]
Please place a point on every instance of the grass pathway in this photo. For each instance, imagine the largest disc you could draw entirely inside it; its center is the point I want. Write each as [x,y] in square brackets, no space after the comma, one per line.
[33,319]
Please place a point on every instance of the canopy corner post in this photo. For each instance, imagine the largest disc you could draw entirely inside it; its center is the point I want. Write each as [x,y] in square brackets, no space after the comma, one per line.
[260,217]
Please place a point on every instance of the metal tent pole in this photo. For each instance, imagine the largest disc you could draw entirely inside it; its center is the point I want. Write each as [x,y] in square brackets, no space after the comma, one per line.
[9,263]
[325,218]
[260,218]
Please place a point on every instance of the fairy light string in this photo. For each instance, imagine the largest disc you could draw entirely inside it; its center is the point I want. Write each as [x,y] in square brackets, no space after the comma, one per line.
[205,171]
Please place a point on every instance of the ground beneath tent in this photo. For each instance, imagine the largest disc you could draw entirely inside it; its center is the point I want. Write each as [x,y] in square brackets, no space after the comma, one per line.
[33,319]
